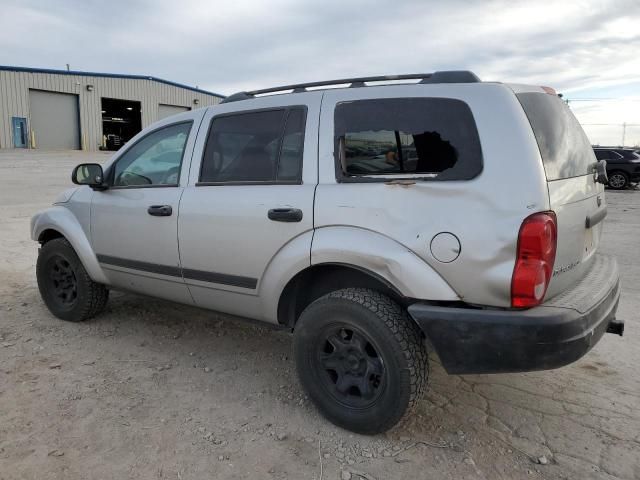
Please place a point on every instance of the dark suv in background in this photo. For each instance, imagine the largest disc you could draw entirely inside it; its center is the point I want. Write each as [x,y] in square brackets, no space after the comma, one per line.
[623,165]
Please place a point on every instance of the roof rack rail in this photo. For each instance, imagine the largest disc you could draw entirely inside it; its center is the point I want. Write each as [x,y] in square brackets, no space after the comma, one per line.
[447,76]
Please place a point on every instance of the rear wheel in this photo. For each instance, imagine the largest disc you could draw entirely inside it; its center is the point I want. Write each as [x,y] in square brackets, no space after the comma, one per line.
[64,284]
[361,359]
[618,180]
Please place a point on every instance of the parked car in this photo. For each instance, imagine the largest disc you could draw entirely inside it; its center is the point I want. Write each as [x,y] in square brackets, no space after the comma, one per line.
[623,165]
[478,230]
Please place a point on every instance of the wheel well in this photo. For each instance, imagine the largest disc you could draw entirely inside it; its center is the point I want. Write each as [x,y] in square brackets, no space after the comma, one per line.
[318,280]
[48,235]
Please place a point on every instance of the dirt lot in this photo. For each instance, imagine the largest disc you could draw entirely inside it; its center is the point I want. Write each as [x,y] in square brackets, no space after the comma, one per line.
[154,390]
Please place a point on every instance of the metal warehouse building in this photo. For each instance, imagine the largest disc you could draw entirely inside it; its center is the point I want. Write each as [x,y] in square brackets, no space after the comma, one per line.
[61,109]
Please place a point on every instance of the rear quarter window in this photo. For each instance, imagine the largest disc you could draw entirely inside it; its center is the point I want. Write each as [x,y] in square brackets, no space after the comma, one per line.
[429,138]
[565,149]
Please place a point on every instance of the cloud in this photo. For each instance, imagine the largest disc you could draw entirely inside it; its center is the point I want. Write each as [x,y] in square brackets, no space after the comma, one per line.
[231,46]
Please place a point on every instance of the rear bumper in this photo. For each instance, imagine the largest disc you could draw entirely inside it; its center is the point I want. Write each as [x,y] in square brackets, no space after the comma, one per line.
[549,336]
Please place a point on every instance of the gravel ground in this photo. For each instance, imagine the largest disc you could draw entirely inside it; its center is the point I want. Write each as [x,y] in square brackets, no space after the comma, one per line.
[151,389]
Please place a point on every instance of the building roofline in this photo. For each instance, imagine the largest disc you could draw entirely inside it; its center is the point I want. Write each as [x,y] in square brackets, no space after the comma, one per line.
[8,68]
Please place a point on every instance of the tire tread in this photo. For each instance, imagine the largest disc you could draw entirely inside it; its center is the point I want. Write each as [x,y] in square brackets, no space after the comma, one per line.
[405,331]
[407,343]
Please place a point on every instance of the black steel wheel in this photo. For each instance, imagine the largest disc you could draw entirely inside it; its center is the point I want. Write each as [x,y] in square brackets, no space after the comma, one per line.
[361,359]
[354,371]
[64,284]
[62,280]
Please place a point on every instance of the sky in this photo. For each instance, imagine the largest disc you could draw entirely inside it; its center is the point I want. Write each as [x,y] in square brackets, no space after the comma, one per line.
[586,49]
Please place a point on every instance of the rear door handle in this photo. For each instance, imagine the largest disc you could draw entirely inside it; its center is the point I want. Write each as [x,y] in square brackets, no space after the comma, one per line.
[160,210]
[285,214]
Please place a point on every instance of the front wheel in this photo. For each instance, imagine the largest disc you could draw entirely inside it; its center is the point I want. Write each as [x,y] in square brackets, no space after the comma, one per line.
[618,180]
[361,359]
[64,284]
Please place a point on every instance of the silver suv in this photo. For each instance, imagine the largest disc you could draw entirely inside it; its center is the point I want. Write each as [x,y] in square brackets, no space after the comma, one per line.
[371,220]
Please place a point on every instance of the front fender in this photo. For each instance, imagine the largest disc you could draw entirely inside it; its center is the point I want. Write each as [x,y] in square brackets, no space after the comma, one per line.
[62,220]
[373,252]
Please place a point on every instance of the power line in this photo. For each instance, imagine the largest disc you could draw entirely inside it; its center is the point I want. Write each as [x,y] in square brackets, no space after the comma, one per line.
[598,99]
[623,125]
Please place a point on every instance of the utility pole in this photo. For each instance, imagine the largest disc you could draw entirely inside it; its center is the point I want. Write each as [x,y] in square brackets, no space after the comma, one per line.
[624,132]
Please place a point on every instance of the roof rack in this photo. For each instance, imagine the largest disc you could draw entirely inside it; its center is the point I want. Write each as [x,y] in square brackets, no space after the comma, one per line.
[448,76]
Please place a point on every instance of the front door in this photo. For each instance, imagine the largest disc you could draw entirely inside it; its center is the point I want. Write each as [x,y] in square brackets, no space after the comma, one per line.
[20,134]
[134,222]
[251,196]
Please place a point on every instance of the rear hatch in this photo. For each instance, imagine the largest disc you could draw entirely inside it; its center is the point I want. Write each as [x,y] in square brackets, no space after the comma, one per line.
[574,195]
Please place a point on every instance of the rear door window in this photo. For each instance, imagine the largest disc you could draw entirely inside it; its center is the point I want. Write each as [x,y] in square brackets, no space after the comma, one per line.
[291,150]
[614,156]
[627,154]
[259,146]
[601,154]
[433,138]
[565,149]
[609,155]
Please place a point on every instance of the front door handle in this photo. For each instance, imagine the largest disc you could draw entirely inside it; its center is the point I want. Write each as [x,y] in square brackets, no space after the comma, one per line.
[285,214]
[160,210]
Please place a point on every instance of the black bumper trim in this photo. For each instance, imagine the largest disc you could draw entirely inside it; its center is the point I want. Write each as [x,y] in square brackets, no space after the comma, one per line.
[501,341]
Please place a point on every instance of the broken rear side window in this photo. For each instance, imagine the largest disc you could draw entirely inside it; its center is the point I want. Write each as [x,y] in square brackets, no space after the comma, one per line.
[435,138]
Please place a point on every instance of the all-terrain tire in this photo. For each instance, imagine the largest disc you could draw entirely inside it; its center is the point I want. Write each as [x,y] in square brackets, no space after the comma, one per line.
[390,338]
[64,284]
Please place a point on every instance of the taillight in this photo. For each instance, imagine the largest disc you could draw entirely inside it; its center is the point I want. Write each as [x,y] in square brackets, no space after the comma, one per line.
[534,262]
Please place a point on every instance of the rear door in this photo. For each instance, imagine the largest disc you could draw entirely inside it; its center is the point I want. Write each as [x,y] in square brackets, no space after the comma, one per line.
[574,195]
[250,193]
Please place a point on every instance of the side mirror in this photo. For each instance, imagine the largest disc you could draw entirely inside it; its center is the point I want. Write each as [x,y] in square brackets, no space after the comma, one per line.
[600,172]
[88,174]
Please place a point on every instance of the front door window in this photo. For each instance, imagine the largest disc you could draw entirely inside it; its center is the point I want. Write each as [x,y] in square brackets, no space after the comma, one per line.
[155,160]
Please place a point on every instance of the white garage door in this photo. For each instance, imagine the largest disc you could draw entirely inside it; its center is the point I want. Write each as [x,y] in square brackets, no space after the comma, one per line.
[165,111]
[54,120]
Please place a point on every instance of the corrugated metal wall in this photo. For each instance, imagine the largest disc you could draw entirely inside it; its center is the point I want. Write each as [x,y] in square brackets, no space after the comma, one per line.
[14,99]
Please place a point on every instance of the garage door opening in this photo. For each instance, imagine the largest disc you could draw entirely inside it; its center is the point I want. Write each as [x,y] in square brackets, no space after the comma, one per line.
[121,121]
